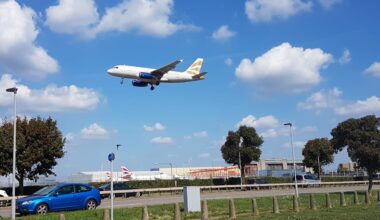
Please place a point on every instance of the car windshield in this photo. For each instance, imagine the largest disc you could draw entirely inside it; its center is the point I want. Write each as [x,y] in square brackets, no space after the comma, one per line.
[46,190]
[310,177]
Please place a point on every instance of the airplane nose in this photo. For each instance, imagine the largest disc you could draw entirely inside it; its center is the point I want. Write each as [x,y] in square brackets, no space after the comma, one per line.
[109,71]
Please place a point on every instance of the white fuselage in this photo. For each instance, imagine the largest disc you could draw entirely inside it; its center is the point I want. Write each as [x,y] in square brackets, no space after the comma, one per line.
[133,72]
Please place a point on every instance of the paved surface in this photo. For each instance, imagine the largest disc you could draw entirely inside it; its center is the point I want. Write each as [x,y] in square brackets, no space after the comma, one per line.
[168,199]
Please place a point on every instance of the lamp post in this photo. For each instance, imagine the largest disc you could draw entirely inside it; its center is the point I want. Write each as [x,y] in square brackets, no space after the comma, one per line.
[14,91]
[294,160]
[240,144]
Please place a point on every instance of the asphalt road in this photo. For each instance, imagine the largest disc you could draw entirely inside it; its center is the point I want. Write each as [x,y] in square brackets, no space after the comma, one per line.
[168,199]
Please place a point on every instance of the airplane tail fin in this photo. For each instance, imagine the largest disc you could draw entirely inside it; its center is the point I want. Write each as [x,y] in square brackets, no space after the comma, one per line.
[195,68]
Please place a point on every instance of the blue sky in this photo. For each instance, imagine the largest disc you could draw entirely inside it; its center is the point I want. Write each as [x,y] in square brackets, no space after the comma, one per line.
[311,62]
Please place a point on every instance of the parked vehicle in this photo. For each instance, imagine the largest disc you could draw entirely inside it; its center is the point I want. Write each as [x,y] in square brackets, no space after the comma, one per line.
[256,181]
[307,178]
[119,186]
[2,195]
[61,197]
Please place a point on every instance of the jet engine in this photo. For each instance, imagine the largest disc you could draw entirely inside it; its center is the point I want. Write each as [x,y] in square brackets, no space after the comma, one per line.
[139,83]
[143,75]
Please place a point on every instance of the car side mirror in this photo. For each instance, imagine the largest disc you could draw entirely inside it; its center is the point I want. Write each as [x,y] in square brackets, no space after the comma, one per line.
[56,194]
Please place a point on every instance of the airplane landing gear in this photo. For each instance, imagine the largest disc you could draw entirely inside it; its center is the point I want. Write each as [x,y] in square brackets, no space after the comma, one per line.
[122,81]
[152,88]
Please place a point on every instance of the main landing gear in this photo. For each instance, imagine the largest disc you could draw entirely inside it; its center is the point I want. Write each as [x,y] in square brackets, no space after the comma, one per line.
[122,81]
[152,88]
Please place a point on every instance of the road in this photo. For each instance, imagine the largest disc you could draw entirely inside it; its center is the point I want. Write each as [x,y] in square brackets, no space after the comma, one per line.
[169,199]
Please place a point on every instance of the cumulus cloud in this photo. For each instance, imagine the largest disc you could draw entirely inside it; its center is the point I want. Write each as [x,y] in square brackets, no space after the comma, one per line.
[284,69]
[19,53]
[94,131]
[223,34]
[156,127]
[49,99]
[264,10]
[368,106]
[228,61]
[268,121]
[346,57]
[270,133]
[148,17]
[161,140]
[332,100]
[322,100]
[328,4]
[73,17]
[374,69]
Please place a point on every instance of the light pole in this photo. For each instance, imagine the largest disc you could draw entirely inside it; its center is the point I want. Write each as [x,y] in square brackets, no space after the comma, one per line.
[171,172]
[14,91]
[240,144]
[294,160]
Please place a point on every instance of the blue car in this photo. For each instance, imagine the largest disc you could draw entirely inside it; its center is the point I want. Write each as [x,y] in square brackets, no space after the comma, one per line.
[61,197]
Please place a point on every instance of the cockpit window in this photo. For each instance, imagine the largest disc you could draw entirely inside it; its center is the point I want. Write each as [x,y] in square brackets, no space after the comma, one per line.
[115,67]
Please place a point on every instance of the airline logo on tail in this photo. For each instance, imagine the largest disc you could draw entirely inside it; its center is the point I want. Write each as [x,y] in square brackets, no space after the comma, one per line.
[195,68]
[126,173]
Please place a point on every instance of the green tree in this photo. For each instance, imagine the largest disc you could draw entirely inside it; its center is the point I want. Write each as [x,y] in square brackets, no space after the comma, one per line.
[362,139]
[316,150]
[250,147]
[39,145]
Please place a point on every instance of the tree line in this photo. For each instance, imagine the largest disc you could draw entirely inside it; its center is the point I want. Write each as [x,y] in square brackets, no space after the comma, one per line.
[361,138]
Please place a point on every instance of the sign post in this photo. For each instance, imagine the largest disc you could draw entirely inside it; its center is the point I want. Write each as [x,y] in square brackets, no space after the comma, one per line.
[111,158]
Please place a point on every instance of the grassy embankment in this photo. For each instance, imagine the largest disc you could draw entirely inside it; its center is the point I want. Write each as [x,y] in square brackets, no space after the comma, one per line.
[219,209]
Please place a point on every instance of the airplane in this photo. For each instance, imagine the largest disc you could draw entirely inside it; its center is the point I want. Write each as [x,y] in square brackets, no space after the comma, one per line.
[143,76]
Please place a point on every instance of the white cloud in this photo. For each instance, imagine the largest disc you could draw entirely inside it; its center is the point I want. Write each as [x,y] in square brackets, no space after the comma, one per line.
[328,4]
[148,17]
[161,140]
[156,127]
[284,69]
[201,134]
[368,106]
[204,155]
[228,61]
[297,144]
[73,17]
[374,69]
[322,100]
[18,52]
[223,34]
[49,99]
[264,10]
[94,131]
[270,133]
[346,57]
[268,121]
[332,100]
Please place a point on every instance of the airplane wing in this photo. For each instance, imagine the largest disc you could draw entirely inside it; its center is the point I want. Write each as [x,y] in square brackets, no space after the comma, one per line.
[163,70]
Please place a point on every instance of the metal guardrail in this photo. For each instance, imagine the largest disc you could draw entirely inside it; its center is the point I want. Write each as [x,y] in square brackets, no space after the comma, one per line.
[204,189]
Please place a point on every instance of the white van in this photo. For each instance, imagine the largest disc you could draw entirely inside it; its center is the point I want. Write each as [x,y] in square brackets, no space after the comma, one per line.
[307,178]
[2,195]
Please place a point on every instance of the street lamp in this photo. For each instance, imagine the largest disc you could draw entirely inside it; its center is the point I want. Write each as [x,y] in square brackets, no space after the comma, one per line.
[14,91]
[294,160]
[240,144]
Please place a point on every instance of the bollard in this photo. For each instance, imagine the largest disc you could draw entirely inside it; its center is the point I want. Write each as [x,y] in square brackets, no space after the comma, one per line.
[106,214]
[342,199]
[204,210]
[378,196]
[177,212]
[62,216]
[367,198]
[275,205]
[145,214]
[296,206]
[313,206]
[232,209]
[356,198]
[328,201]
[255,209]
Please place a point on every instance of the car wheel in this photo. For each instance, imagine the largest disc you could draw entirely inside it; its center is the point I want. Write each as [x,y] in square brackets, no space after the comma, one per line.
[138,194]
[91,204]
[42,209]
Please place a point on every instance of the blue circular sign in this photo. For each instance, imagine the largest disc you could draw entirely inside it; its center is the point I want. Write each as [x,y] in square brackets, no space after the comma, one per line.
[111,156]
